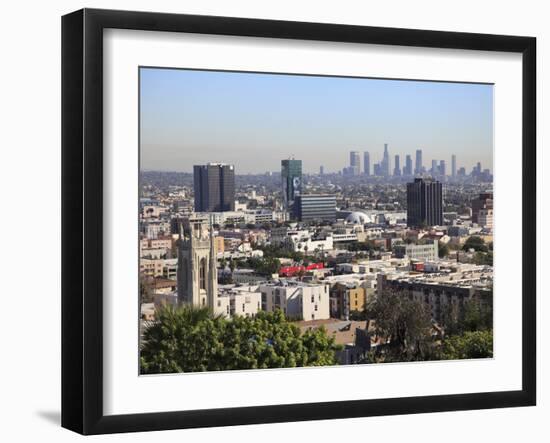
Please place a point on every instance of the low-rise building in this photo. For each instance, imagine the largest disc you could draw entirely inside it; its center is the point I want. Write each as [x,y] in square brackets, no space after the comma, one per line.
[427,252]
[245,301]
[159,267]
[315,207]
[443,290]
[347,297]
[485,218]
[297,300]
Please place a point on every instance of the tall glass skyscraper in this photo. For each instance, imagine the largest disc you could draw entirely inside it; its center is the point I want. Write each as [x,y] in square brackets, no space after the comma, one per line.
[434,169]
[291,174]
[408,168]
[453,165]
[366,163]
[355,162]
[385,165]
[418,164]
[442,168]
[397,166]
[214,187]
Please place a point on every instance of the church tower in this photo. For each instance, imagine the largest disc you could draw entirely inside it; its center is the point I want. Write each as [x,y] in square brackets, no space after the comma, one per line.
[197,271]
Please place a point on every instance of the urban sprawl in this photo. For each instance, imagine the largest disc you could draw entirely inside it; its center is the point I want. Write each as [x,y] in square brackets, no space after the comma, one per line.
[323,250]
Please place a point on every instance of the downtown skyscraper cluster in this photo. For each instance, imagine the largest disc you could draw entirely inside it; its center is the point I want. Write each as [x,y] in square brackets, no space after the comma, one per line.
[384,168]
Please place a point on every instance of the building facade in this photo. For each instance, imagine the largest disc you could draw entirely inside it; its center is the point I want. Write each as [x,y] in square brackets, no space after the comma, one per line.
[315,207]
[440,297]
[346,298]
[427,252]
[485,218]
[484,201]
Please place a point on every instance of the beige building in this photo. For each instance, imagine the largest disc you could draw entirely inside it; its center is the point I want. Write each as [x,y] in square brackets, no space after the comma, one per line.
[219,244]
[345,298]
[158,267]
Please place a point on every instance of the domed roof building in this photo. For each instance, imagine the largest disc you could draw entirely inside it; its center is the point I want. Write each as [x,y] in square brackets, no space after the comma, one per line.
[358,218]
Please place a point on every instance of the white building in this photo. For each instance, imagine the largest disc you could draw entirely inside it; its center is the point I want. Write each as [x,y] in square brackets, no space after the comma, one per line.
[297,300]
[154,228]
[153,211]
[259,216]
[302,240]
[245,301]
[485,218]
[242,215]
[426,252]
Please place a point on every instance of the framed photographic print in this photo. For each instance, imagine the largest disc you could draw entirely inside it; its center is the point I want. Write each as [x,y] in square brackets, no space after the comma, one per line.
[269,221]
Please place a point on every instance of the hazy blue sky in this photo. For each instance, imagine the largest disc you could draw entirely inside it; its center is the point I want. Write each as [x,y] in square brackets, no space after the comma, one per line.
[255,120]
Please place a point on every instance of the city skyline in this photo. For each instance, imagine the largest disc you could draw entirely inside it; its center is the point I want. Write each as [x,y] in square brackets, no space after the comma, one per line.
[194,117]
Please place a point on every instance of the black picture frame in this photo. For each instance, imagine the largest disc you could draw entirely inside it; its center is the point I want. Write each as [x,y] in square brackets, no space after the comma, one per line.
[82,190]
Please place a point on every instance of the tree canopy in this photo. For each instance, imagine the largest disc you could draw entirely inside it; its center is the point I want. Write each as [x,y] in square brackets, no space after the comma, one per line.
[471,344]
[404,325]
[274,251]
[264,265]
[185,339]
[443,251]
[406,333]
[476,243]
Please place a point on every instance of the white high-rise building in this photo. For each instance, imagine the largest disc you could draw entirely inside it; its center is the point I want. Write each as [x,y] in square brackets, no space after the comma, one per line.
[355,163]
[366,163]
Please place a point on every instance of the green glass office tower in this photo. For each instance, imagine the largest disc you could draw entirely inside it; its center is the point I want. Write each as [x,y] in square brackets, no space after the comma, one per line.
[291,173]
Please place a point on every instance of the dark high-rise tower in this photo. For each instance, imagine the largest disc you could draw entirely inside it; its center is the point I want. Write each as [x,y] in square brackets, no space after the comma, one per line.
[442,168]
[291,174]
[418,164]
[214,186]
[424,203]
[366,163]
[397,166]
